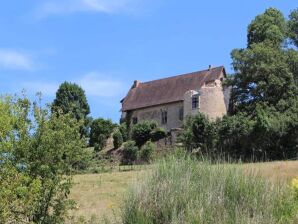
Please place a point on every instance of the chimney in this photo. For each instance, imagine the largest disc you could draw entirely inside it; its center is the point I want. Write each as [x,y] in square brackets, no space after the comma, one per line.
[136,83]
[210,67]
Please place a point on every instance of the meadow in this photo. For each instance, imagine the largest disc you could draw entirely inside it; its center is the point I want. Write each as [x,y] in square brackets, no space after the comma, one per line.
[101,195]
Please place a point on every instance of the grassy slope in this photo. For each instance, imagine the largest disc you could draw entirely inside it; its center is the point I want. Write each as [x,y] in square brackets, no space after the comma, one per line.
[98,194]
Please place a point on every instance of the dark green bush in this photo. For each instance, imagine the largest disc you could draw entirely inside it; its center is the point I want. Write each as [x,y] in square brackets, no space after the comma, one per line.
[117,139]
[158,133]
[147,152]
[124,132]
[130,153]
[101,130]
[141,132]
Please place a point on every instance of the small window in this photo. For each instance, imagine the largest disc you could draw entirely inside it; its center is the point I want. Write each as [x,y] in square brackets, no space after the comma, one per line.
[195,102]
[164,117]
[134,120]
[181,114]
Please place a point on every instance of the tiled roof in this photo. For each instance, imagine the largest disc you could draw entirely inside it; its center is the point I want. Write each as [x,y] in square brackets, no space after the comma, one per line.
[167,90]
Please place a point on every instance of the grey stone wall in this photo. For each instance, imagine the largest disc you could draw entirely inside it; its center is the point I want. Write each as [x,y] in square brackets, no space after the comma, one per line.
[154,113]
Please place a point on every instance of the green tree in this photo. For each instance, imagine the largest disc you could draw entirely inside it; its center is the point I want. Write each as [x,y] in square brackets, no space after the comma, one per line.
[141,132]
[71,98]
[37,154]
[117,139]
[147,152]
[129,153]
[265,87]
[101,130]
[265,70]
[293,27]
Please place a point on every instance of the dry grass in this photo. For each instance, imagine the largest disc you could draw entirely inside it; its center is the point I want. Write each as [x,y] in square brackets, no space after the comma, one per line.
[102,194]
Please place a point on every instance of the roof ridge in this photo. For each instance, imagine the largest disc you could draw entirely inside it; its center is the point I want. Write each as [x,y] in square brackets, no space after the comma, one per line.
[190,73]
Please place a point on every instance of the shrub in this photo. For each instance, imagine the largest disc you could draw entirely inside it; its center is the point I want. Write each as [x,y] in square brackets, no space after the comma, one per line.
[199,132]
[101,130]
[117,139]
[130,152]
[187,191]
[124,131]
[158,133]
[147,152]
[141,132]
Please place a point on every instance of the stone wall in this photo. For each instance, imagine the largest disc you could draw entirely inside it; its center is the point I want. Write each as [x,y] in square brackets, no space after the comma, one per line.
[154,113]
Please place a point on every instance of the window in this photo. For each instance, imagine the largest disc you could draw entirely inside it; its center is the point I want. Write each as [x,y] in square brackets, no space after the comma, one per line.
[134,120]
[164,117]
[195,101]
[181,114]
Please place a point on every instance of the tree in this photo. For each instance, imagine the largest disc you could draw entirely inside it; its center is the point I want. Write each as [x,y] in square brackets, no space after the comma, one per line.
[37,154]
[130,153]
[141,132]
[293,27]
[71,98]
[264,71]
[147,152]
[101,130]
[117,139]
[265,86]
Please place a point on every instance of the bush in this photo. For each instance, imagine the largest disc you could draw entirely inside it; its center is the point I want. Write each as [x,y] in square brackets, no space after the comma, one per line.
[158,133]
[101,130]
[141,132]
[147,152]
[187,191]
[130,153]
[124,131]
[117,139]
[200,133]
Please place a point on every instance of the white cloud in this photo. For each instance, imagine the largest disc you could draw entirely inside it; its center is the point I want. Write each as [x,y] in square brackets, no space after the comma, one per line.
[94,84]
[11,59]
[71,6]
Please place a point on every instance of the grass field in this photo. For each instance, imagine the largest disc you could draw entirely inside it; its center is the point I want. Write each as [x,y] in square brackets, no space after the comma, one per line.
[101,194]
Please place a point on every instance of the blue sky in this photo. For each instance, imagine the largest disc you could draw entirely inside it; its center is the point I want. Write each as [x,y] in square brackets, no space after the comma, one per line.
[104,45]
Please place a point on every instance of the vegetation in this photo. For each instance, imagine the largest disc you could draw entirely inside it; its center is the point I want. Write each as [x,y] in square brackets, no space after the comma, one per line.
[71,99]
[117,139]
[37,155]
[130,152]
[124,132]
[101,130]
[145,131]
[263,119]
[183,190]
[147,152]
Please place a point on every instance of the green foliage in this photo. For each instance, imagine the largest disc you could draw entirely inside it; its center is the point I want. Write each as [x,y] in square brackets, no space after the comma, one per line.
[101,130]
[124,131]
[147,152]
[235,137]
[182,190]
[293,26]
[264,94]
[269,27]
[158,133]
[71,99]
[117,139]
[37,156]
[141,132]
[130,153]
[199,133]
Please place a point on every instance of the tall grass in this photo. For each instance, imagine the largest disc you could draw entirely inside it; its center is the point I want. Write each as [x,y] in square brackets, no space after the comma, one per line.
[183,190]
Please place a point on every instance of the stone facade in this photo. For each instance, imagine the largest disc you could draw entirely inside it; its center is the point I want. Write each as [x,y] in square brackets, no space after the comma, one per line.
[155,113]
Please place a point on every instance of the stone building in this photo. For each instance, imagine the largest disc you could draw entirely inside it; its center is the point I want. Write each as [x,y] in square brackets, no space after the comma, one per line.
[169,100]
